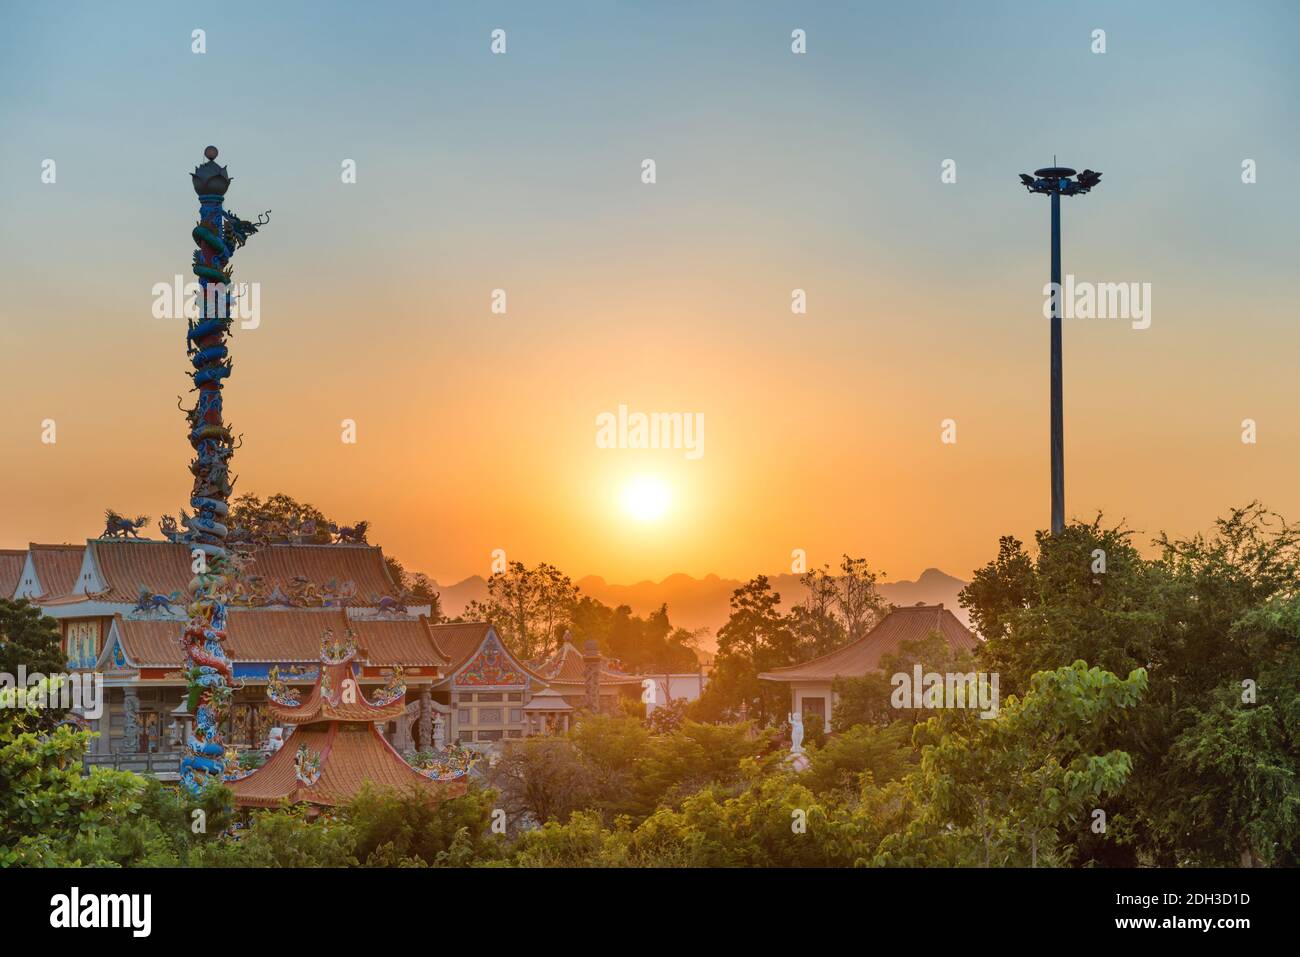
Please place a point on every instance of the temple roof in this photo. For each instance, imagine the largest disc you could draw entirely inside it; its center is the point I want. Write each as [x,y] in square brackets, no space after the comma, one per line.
[478,657]
[126,567]
[283,635]
[164,567]
[56,568]
[566,666]
[351,756]
[862,656]
[12,561]
[548,699]
[458,640]
[331,698]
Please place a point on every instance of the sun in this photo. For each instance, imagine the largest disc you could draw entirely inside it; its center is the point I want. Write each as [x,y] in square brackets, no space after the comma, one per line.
[646,498]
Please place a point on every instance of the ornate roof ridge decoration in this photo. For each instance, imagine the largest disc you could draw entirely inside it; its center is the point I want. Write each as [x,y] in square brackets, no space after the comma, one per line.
[336,694]
[491,664]
[148,601]
[279,692]
[394,690]
[307,765]
[450,764]
[337,651]
[120,527]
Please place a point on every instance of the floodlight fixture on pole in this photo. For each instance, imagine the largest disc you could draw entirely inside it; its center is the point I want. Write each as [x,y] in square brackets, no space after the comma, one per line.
[1058,181]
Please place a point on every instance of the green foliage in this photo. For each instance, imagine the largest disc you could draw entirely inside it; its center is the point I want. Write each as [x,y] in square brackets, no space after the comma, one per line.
[864,754]
[282,837]
[756,638]
[1003,791]
[274,518]
[50,813]
[1205,615]
[30,641]
[648,645]
[392,829]
[530,608]
[867,699]
[668,717]
[1192,757]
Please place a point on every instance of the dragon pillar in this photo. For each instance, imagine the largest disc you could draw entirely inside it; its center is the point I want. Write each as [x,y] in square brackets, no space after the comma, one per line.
[207,669]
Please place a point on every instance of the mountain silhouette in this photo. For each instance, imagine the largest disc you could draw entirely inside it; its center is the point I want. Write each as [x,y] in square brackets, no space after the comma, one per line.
[706,602]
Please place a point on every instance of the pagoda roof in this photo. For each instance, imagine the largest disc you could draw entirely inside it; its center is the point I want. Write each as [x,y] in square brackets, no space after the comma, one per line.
[12,561]
[330,700]
[567,667]
[284,635]
[351,756]
[913,623]
[548,699]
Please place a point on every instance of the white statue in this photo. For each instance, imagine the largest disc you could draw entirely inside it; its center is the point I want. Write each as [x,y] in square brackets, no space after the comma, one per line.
[276,740]
[439,732]
[796,734]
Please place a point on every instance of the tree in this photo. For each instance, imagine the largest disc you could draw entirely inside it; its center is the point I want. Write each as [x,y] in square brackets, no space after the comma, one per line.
[1004,791]
[1207,614]
[417,587]
[815,621]
[1232,775]
[394,828]
[860,604]
[51,814]
[860,755]
[756,638]
[648,645]
[530,608]
[31,642]
[837,608]
[541,779]
[278,518]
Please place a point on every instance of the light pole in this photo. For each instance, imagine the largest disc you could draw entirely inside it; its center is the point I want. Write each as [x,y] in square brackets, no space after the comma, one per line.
[1058,181]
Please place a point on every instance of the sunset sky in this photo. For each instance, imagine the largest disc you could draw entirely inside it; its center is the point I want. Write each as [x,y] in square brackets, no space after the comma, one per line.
[775,171]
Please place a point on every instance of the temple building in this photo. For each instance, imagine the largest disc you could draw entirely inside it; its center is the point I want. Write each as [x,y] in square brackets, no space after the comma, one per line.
[335,748]
[481,698]
[589,679]
[120,608]
[812,682]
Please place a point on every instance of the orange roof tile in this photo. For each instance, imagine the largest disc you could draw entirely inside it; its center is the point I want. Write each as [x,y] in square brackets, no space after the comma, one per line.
[164,567]
[327,701]
[128,566]
[352,755]
[396,641]
[458,640]
[566,666]
[364,566]
[57,567]
[151,644]
[284,635]
[11,570]
[862,656]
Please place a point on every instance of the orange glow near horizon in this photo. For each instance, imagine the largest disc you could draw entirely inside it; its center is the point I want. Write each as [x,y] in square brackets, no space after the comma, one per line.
[476,431]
